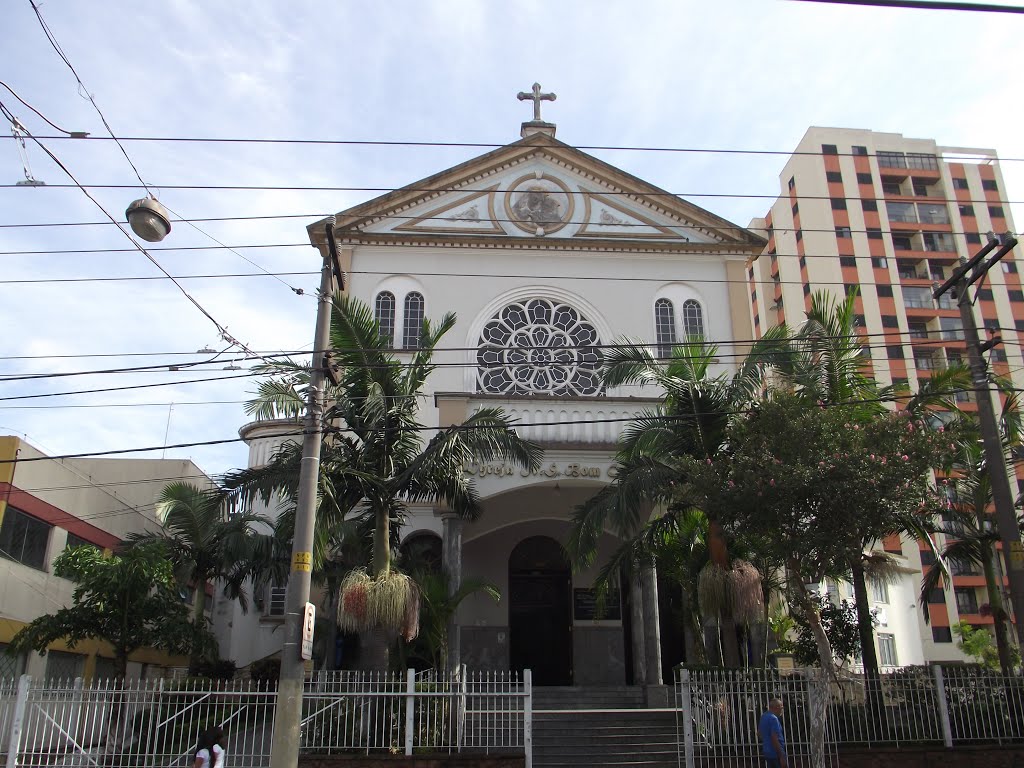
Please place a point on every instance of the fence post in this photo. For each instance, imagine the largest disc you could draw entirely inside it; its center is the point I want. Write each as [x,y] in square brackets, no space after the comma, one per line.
[943,704]
[528,716]
[685,714]
[18,721]
[410,708]
[460,734]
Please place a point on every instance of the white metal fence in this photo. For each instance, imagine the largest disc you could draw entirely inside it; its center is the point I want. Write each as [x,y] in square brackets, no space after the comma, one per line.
[719,711]
[144,724]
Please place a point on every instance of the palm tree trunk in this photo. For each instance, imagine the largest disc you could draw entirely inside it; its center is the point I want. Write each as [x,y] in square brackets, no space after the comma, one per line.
[995,600]
[865,627]
[381,542]
[719,554]
[817,699]
[198,623]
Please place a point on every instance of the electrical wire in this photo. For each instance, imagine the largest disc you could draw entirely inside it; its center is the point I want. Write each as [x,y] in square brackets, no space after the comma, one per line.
[438,190]
[514,425]
[70,134]
[525,145]
[928,5]
[83,91]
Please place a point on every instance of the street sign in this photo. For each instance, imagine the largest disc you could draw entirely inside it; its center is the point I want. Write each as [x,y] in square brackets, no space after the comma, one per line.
[308,622]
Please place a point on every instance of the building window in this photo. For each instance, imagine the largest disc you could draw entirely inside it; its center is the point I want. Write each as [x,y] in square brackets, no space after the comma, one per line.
[932,213]
[835,177]
[843,233]
[902,212]
[879,591]
[927,558]
[23,538]
[891,188]
[540,346]
[966,600]
[990,185]
[942,635]
[799,235]
[665,325]
[838,203]
[807,289]
[891,159]
[938,241]
[412,320]
[1015,295]
[959,183]
[973,238]
[865,178]
[966,210]
[936,596]
[61,665]
[858,150]
[894,352]
[803,262]
[11,667]
[384,314]
[869,204]
[874,233]
[890,321]
[985,294]
[848,261]
[922,162]
[850,290]
[78,541]
[996,211]
[887,650]
[915,297]
[879,262]
[693,319]
[796,208]
[275,600]
[792,182]
[829,149]
[884,290]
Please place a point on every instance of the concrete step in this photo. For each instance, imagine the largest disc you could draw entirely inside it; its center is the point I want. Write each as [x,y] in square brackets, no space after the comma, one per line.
[634,739]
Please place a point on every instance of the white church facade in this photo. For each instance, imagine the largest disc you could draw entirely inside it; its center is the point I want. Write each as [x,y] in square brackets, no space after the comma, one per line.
[546,255]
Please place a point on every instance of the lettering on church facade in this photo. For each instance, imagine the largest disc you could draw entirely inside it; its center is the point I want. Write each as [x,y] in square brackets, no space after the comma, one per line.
[554,469]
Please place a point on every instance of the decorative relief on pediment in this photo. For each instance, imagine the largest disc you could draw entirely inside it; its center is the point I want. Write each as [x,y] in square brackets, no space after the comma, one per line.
[606,218]
[539,204]
[471,213]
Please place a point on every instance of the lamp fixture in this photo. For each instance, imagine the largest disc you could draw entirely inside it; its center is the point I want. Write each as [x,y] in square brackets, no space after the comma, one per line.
[206,350]
[148,219]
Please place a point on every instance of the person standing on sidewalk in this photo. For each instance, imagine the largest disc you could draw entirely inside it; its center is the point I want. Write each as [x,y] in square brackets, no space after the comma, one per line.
[773,740]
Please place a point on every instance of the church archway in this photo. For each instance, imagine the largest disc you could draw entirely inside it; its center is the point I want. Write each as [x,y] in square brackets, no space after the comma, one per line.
[540,610]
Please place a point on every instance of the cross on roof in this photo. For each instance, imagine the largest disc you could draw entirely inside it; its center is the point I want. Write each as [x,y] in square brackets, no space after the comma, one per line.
[536,97]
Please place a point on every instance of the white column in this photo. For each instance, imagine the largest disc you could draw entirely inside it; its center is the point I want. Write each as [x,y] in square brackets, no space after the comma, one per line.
[652,627]
[451,548]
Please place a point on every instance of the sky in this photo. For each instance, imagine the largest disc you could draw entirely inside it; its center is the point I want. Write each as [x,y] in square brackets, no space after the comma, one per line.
[736,74]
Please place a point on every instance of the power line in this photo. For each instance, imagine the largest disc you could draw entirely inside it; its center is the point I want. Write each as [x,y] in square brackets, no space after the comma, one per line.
[928,5]
[514,426]
[433,190]
[489,145]
[175,403]
[132,386]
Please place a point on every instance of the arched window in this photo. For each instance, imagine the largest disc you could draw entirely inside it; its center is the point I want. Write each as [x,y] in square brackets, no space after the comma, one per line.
[384,314]
[412,320]
[693,319]
[539,347]
[664,326]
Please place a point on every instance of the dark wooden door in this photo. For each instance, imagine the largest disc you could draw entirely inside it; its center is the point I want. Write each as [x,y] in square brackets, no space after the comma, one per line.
[540,625]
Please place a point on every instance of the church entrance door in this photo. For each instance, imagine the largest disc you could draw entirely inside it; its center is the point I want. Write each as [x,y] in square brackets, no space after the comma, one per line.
[540,615]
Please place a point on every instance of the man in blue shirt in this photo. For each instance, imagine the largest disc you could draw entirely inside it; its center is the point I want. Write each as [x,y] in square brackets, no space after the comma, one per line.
[773,741]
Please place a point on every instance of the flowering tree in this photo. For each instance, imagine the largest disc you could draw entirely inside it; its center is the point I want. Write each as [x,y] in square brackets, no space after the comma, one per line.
[813,482]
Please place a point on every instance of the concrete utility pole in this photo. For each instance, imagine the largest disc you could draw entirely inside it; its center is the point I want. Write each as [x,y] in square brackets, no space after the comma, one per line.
[966,275]
[288,711]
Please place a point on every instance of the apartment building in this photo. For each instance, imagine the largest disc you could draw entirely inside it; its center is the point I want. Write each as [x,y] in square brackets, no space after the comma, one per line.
[47,505]
[886,217]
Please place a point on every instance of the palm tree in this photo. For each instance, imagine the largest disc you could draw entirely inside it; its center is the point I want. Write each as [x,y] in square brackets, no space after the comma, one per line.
[205,543]
[971,539]
[376,460]
[691,422]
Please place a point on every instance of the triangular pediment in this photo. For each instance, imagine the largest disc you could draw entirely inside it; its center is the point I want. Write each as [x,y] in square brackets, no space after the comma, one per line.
[539,189]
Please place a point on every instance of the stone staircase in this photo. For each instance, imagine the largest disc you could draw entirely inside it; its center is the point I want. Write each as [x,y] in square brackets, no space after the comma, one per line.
[570,729]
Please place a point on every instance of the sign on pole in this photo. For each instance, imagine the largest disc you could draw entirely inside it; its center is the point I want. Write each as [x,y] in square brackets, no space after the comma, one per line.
[308,622]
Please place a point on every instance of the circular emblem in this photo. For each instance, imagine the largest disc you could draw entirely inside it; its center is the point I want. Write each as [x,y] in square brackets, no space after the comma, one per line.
[539,204]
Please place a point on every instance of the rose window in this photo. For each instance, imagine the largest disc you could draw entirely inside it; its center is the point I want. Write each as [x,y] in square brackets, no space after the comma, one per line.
[539,346]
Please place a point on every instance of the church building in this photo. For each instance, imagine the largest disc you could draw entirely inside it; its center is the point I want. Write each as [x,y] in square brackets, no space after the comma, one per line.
[546,255]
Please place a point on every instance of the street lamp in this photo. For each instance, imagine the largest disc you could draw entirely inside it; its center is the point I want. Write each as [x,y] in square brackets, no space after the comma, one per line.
[148,219]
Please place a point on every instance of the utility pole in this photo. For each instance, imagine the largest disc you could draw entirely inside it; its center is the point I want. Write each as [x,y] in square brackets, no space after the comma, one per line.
[284,752]
[968,273]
